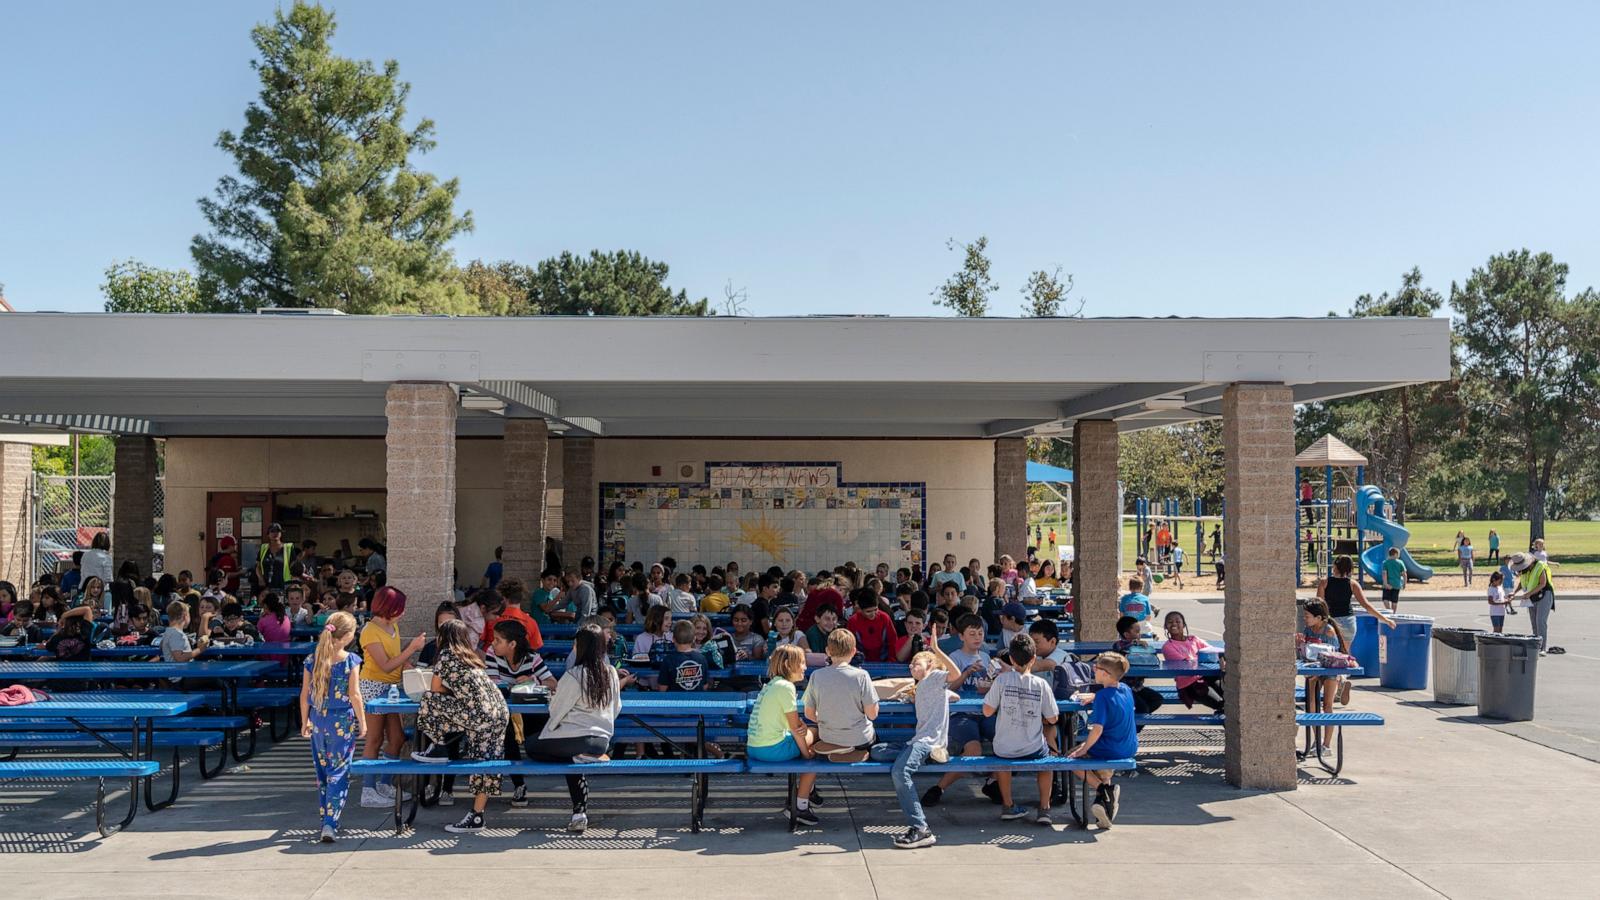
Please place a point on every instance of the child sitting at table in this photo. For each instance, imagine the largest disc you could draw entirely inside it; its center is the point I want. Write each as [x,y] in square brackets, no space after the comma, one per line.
[746,643]
[1021,704]
[841,700]
[583,718]
[817,635]
[332,717]
[775,732]
[1320,628]
[873,628]
[917,639]
[234,629]
[1184,648]
[74,637]
[22,624]
[787,633]
[462,700]
[512,660]
[1013,621]
[1145,699]
[1134,603]
[294,604]
[174,643]
[686,668]
[1111,733]
[276,625]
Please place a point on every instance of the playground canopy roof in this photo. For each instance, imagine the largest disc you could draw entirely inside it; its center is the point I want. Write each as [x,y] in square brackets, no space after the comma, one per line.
[1330,451]
[844,376]
[1044,473]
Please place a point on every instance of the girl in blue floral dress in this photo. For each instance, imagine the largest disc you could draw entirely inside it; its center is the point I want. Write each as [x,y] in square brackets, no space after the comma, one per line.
[330,707]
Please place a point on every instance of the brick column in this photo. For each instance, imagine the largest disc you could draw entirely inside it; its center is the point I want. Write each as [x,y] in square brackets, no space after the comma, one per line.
[16,512]
[526,449]
[580,499]
[1011,498]
[1096,524]
[421,481]
[133,516]
[1259,609]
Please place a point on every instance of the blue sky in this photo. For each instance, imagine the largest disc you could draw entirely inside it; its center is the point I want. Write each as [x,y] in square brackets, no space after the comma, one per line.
[1179,159]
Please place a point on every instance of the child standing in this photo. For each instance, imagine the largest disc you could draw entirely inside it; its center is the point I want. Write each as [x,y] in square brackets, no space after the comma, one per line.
[1111,733]
[382,662]
[1022,704]
[932,672]
[1497,601]
[968,731]
[330,707]
[462,699]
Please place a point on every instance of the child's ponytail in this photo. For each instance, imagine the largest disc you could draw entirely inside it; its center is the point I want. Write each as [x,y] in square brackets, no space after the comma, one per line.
[340,625]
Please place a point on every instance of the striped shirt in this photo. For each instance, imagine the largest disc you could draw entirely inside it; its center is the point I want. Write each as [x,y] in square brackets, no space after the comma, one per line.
[532,665]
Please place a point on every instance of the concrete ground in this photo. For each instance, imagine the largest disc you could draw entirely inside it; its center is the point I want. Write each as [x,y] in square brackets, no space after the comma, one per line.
[1434,804]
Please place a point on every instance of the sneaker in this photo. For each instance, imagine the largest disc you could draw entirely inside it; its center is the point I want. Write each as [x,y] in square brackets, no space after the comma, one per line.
[1344,693]
[471,823]
[1102,816]
[587,759]
[373,798]
[991,789]
[327,834]
[914,838]
[1116,800]
[932,796]
[815,798]
[578,823]
[1007,813]
[519,797]
[433,753]
[1042,817]
[447,799]
[806,817]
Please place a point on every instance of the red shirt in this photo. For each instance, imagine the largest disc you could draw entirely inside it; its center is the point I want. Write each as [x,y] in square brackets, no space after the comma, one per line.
[814,601]
[875,638]
[515,614]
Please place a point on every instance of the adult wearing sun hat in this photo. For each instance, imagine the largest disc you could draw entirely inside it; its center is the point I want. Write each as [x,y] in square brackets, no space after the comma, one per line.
[1536,590]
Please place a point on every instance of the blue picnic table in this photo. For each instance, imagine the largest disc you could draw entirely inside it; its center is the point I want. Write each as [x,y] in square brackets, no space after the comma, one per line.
[227,674]
[147,651]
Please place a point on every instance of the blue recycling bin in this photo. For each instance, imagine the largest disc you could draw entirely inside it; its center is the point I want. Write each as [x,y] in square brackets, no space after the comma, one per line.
[1403,652]
[1364,647]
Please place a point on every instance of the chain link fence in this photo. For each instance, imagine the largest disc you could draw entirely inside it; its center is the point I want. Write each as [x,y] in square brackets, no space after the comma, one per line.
[68,511]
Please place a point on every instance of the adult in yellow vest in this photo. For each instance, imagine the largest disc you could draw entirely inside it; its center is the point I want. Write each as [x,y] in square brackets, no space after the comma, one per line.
[1534,586]
[275,562]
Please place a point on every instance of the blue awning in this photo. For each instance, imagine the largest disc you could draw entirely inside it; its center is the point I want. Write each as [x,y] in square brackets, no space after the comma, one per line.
[1039,473]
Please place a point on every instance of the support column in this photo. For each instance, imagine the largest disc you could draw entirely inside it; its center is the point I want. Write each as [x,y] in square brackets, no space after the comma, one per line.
[1259,608]
[421,483]
[133,503]
[522,513]
[1011,498]
[580,501]
[1096,528]
[16,514]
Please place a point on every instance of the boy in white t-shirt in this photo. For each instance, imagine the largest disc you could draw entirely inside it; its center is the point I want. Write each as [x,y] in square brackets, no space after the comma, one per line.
[932,671]
[1497,601]
[1021,704]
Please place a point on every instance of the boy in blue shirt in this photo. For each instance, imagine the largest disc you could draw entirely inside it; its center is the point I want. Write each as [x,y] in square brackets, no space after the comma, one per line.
[1111,733]
[1134,603]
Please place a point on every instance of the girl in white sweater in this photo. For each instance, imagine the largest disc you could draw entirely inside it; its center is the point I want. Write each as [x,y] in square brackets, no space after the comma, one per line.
[583,717]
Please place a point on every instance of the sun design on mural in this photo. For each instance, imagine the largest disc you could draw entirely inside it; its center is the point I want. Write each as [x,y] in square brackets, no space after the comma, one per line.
[764,535]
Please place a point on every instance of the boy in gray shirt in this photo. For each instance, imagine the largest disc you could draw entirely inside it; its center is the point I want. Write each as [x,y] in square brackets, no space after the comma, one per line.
[932,671]
[1022,703]
[841,700]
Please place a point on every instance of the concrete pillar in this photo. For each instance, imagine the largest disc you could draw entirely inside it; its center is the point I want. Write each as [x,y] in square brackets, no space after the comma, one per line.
[16,513]
[1096,525]
[580,502]
[527,448]
[133,505]
[1259,609]
[421,481]
[1011,497]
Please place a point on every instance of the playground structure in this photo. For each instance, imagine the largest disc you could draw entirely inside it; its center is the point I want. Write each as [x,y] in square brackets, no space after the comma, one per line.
[1340,515]
[1149,516]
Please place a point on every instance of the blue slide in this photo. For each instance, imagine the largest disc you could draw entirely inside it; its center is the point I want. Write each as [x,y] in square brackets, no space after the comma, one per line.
[1370,507]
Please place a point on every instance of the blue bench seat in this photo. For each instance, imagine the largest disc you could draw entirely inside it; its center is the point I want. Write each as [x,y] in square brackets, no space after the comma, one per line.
[100,770]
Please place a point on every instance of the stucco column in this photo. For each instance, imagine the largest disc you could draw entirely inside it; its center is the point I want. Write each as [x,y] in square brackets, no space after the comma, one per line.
[580,501]
[1011,498]
[526,450]
[16,476]
[421,481]
[1259,608]
[1096,524]
[133,504]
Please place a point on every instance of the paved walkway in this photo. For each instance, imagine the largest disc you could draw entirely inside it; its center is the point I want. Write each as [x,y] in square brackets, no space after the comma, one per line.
[1435,804]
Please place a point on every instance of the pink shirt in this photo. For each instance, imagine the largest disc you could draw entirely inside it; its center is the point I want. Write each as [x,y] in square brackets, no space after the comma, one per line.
[273,629]
[1186,650]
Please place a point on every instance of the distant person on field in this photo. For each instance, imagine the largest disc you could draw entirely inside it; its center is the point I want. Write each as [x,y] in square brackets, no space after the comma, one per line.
[1494,547]
[1464,554]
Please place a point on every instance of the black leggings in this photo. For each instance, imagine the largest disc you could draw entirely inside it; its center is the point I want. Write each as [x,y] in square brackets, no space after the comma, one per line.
[1206,692]
[563,750]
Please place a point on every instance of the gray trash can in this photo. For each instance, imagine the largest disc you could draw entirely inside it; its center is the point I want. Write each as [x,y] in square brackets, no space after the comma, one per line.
[1455,665]
[1508,666]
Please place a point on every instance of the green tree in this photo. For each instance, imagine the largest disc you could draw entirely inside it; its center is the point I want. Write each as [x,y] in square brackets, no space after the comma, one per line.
[1183,462]
[1046,291]
[133,287]
[326,209]
[623,283]
[967,292]
[1531,365]
[97,455]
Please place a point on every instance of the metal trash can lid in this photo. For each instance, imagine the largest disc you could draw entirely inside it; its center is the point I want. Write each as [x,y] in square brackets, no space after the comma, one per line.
[1407,617]
[1458,638]
[1524,640]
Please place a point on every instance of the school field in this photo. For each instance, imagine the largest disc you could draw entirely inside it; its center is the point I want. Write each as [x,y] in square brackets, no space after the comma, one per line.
[1575,545]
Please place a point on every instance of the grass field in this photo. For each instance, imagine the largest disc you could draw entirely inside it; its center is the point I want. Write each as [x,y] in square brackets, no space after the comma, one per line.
[1576,545]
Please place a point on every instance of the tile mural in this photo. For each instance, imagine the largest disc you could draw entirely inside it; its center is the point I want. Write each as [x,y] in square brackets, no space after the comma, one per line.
[796,515]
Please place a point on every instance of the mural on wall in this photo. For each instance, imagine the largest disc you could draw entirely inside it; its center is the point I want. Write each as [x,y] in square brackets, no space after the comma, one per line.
[795,515]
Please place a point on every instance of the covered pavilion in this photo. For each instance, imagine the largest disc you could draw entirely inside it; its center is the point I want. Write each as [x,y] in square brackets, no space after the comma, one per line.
[572,387]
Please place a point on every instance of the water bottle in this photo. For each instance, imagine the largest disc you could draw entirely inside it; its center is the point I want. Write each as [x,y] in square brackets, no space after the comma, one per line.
[394,693]
[772,641]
